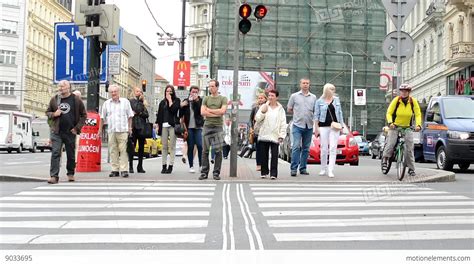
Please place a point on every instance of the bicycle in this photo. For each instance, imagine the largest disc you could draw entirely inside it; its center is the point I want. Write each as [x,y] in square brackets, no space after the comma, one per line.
[398,155]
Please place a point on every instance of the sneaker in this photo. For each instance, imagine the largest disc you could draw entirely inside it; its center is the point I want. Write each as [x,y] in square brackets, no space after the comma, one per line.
[330,174]
[411,172]
[293,173]
[70,178]
[124,174]
[273,177]
[203,176]
[263,176]
[191,170]
[53,180]
[216,177]
[114,174]
[323,172]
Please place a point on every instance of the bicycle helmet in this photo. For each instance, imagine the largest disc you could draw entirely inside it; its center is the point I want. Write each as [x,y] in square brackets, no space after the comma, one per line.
[405,86]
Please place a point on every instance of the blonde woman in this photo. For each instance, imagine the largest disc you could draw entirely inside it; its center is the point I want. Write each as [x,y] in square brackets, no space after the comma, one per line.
[140,114]
[328,121]
[261,99]
[273,119]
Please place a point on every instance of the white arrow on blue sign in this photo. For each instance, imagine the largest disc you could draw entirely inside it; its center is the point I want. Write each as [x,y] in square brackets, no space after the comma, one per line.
[71,55]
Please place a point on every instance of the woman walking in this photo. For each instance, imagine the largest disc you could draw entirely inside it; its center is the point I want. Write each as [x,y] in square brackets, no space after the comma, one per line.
[138,104]
[166,119]
[191,114]
[273,120]
[328,122]
[261,99]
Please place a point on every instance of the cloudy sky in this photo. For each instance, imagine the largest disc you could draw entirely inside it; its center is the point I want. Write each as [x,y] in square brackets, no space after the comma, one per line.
[135,18]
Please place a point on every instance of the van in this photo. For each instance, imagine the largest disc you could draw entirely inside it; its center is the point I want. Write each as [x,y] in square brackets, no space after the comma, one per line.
[448,132]
[41,134]
[15,131]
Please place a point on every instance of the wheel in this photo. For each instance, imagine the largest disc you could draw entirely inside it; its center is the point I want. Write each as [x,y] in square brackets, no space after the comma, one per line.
[20,149]
[147,155]
[442,160]
[42,150]
[464,166]
[9,151]
[355,163]
[33,150]
[401,166]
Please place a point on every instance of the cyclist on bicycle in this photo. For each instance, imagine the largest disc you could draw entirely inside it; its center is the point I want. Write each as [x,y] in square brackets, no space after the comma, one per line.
[400,115]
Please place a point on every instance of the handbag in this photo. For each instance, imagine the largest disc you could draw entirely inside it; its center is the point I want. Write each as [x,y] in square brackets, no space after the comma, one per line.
[181,131]
[335,125]
[147,131]
[251,136]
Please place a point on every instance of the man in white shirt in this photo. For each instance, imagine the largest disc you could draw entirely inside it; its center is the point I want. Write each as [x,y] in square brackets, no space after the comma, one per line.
[117,114]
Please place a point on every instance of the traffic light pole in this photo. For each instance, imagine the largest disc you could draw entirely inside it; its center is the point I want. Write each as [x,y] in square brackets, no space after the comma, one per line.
[235,96]
[181,42]
[93,83]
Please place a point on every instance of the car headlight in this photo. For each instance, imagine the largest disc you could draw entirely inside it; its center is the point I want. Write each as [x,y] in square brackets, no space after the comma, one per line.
[458,135]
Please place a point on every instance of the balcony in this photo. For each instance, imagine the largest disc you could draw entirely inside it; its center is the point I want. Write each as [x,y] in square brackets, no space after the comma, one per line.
[461,4]
[435,13]
[461,54]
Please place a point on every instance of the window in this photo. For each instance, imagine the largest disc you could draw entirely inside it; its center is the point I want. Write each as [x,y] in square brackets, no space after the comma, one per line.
[7,88]
[7,57]
[9,26]
[204,16]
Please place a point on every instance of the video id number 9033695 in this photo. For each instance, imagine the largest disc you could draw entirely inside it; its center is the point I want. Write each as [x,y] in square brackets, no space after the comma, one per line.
[19,258]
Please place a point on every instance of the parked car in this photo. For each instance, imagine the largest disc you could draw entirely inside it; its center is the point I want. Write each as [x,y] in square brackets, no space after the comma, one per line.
[150,149]
[16,132]
[347,149]
[41,135]
[376,148]
[363,145]
[448,131]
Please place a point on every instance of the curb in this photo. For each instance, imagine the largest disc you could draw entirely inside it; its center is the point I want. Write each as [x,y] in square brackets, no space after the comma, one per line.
[20,178]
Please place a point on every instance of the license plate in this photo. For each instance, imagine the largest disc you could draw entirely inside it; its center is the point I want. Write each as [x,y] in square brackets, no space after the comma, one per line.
[339,151]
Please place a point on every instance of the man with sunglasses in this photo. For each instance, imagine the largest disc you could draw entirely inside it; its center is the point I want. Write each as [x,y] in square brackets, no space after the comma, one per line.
[400,114]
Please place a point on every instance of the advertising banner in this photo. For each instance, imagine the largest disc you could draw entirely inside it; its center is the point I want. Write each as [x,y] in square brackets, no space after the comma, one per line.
[251,83]
[90,145]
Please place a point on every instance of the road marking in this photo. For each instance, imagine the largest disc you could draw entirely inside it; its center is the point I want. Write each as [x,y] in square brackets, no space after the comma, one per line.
[23,162]
[246,220]
[99,205]
[335,185]
[364,204]
[4,214]
[301,193]
[127,188]
[377,236]
[105,199]
[140,184]
[379,221]
[102,238]
[243,201]
[367,212]
[224,218]
[136,224]
[231,219]
[362,198]
[114,193]
[330,189]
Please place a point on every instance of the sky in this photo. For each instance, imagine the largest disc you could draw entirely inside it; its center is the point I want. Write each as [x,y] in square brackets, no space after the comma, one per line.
[135,18]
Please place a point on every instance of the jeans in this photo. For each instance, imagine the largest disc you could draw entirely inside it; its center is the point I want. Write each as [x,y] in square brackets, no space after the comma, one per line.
[57,141]
[266,146]
[194,138]
[212,137]
[300,150]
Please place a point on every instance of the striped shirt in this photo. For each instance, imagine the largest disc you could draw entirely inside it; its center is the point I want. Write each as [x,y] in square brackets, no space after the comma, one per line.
[116,115]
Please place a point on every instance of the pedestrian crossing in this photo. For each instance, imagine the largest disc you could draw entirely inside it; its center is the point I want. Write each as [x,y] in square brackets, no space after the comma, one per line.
[107,214]
[343,213]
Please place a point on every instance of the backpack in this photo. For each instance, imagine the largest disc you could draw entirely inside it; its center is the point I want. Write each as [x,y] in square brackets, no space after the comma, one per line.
[410,101]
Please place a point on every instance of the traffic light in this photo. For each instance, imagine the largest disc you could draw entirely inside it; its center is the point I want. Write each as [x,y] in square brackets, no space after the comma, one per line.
[244,25]
[260,12]
[144,85]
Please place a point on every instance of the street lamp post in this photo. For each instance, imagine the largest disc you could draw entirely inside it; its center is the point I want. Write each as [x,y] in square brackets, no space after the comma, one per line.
[352,85]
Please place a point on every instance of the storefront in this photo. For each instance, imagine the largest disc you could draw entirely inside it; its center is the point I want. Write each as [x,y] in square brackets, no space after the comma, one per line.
[461,82]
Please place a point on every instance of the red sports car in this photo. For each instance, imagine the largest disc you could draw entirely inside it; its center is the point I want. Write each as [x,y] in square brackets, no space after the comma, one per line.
[347,149]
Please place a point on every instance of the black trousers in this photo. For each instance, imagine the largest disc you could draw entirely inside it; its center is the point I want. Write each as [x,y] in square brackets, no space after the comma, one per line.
[265,147]
[132,140]
[57,141]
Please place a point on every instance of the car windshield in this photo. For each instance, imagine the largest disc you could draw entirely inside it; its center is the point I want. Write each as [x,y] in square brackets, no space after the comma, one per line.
[360,139]
[460,108]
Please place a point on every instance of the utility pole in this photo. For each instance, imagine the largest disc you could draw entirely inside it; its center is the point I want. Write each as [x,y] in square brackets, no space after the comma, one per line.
[93,83]
[183,36]
[235,96]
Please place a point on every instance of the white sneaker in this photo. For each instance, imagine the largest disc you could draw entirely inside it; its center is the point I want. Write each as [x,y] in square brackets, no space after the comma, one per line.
[331,174]
[264,176]
[323,172]
[191,170]
[273,177]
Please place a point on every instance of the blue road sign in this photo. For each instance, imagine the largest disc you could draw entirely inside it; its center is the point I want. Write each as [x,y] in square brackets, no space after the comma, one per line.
[71,55]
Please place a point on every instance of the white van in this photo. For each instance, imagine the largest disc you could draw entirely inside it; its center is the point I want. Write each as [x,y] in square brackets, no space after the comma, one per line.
[15,131]
[41,134]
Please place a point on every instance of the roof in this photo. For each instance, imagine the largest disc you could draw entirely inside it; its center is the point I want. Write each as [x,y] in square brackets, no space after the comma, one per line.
[158,77]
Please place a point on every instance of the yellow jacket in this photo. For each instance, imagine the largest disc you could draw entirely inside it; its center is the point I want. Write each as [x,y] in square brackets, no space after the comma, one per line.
[404,112]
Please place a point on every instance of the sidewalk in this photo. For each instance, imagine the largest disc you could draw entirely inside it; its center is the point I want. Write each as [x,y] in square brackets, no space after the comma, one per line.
[245,171]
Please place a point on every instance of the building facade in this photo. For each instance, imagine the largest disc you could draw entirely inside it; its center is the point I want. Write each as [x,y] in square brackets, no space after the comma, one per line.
[425,71]
[12,51]
[459,50]
[143,60]
[299,38]
[199,40]
[160,84]
[39,87]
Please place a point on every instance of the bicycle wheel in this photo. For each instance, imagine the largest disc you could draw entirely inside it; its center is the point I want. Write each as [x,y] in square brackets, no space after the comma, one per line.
[401,167]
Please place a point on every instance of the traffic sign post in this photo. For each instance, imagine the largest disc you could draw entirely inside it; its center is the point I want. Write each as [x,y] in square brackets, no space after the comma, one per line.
[72,55]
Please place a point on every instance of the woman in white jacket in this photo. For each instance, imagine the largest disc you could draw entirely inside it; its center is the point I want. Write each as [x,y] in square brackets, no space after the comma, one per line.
[272,132]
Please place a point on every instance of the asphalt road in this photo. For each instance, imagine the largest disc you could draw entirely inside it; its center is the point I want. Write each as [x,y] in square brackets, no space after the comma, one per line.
[235,216]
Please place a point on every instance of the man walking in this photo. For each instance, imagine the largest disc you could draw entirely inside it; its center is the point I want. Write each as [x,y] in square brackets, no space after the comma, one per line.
[213,109]
[117,114]
[301,104]
[67,115]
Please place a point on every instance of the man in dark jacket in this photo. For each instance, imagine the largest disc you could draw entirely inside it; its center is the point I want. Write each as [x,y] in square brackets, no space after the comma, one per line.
[191,114]
[67,115]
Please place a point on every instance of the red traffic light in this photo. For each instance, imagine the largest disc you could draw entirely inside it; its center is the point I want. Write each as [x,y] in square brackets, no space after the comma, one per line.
[245,10]
[260,11]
